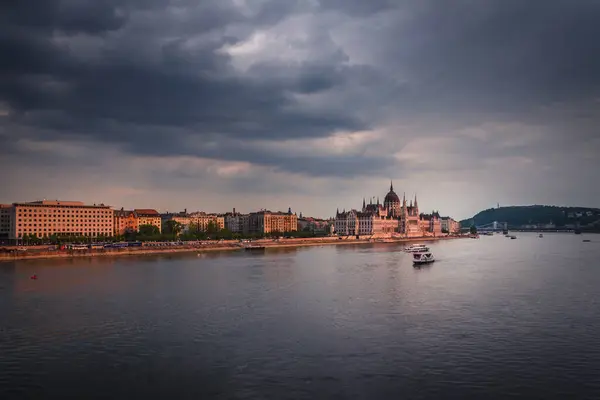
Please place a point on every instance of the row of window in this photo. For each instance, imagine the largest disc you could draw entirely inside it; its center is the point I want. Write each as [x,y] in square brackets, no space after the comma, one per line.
[55,225]
[59,230]
[61,220]
[91,234]
[64,211]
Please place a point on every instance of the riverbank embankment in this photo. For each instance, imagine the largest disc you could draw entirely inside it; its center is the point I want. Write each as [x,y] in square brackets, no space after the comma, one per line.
[43,252]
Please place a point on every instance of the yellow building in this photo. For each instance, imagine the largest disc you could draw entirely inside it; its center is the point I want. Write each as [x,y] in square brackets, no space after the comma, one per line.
[181,218]
[199,221]
[148,216]
[269,222]
[61,218]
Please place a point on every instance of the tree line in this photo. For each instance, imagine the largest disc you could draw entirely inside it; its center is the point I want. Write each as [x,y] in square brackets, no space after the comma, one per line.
[526,215]
[173,231]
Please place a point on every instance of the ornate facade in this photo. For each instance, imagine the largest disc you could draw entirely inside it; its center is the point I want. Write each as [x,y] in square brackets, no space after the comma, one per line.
[393,216]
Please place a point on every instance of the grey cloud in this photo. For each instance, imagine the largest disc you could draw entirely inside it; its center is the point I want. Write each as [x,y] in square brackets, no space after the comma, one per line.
[358,7]
[149,77]
[500,55]
[195,88]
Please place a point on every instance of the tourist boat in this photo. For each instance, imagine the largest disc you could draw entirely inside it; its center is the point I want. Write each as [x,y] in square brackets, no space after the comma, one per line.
[423,258]
[415,248]
[541,235]
[586,240]
[513,237]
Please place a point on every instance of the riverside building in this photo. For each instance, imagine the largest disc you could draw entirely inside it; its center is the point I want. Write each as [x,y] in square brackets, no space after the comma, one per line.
[6,211]
[394,216]
[61,218]
[126,221]
[269,222]
[200,221]
[148,217]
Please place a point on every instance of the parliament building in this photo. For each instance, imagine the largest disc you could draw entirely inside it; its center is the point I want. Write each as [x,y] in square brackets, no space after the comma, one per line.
[394,217]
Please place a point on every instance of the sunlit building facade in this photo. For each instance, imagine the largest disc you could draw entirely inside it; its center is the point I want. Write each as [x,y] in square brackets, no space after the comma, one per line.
[147,216]
[61,218]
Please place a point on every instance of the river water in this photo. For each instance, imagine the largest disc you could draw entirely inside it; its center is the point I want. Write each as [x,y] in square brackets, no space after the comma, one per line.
[492,318]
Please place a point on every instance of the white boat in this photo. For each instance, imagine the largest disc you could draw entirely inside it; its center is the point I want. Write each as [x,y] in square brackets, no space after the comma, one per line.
[423,258]
[414,248]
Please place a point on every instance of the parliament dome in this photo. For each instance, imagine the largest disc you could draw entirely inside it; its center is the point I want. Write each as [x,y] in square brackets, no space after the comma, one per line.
[391,197]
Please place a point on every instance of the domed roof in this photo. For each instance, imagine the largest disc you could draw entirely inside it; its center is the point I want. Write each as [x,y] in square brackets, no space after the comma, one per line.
[391,197]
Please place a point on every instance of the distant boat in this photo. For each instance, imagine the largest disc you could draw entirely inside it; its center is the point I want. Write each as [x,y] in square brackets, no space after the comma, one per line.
[577,231]
[513,237]
[423,258]
[254,247]
[541,235]
[586,240]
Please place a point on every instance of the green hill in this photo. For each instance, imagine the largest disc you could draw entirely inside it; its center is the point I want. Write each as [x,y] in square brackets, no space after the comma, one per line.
[517,216]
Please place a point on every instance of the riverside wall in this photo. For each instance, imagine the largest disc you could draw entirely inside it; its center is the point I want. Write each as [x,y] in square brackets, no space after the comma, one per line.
[42,252]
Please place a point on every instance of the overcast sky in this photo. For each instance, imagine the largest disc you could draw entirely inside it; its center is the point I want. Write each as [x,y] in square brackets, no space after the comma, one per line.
[308,104]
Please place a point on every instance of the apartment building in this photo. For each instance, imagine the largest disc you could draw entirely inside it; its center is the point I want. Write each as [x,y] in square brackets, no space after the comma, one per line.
[201,220]
[268,222]
[126,221]
[6,211]
[182,218]
[61,218]
[147,216]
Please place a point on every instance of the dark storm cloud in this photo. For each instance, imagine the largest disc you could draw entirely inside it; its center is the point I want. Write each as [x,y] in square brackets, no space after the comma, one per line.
[500,55]
[358,7]
[72,16]
[155,78]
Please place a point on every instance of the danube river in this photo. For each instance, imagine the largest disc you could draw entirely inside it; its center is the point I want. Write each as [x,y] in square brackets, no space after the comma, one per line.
[492,318]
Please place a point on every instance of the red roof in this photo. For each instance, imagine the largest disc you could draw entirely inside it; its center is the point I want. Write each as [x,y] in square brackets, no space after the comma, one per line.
[146,212]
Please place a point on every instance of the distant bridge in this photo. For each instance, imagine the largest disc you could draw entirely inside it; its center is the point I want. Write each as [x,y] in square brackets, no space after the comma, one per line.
[492,227]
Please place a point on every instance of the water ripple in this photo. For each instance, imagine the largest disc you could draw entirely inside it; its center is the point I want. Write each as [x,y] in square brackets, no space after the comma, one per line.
[493,319]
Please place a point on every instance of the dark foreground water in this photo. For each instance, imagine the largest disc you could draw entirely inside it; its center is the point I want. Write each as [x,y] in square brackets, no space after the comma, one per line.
[493,318]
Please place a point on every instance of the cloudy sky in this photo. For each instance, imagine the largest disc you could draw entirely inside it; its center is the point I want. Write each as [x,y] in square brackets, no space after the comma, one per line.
[309,104]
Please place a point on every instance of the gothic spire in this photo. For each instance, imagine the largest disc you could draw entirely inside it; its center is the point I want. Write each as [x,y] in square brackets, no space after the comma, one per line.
[364,204]
[391,186]
[377,200]
[416,200]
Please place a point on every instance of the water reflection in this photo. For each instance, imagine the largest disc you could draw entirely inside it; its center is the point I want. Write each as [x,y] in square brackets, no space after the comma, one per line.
[492,318]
